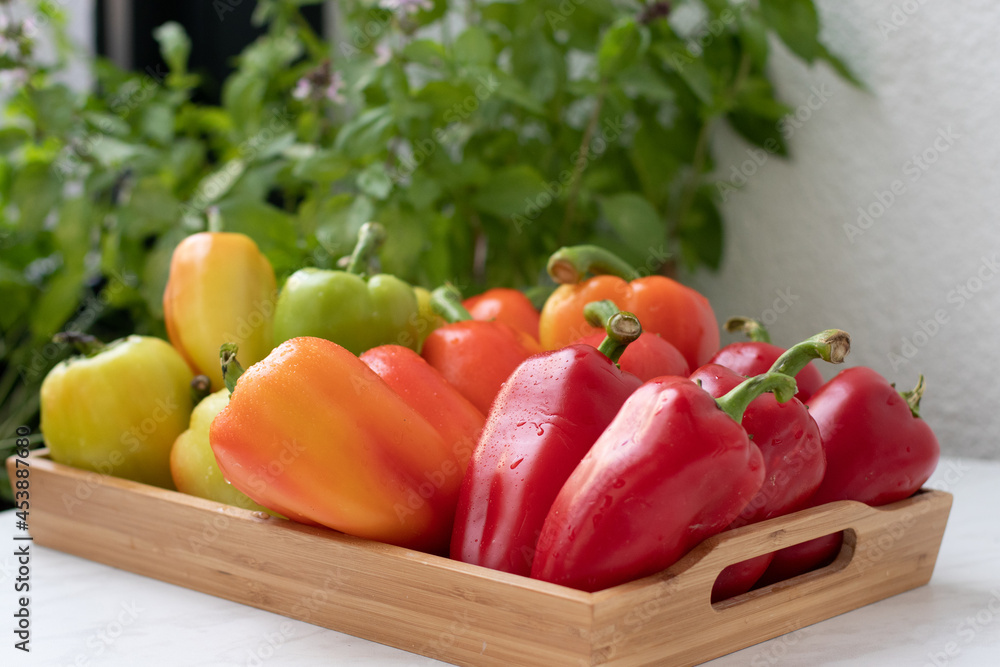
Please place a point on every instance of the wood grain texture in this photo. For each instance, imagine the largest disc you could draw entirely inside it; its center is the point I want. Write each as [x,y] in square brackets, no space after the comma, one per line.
[470,615]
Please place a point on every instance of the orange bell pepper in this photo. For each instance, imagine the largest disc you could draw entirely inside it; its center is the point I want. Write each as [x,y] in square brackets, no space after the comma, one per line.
[424,388]
[678,313]
[506,305]
[475,357]
[221,289]
[315,435]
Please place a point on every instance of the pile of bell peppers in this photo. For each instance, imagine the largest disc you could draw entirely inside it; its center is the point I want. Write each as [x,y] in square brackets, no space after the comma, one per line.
[588,442]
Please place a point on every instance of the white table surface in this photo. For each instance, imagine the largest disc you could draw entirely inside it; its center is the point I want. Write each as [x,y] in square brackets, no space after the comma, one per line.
[83,613]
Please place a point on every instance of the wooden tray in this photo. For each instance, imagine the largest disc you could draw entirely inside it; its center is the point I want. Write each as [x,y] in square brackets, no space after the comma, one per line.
[469,615]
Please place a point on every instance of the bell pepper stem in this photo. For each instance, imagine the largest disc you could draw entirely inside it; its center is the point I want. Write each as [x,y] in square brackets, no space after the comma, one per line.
[231,367]
[621,329]
[214,219]
[753,329]
[736,401]
[201,386]
[831,345]
[370,237]
[446,301]
[85,344]
[570,265]
[913,397]
[597,313]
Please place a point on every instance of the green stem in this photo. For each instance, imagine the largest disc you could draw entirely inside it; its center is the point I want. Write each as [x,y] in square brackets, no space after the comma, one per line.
[599,313]
[231,368]
[570,265]
[621,330]
[308,36]
[831,345]
[583,155]
[693,180]
[913,397]
[12,372]
[85,344]
[26,408]
[10,444]
[214,219]
[201,386]
[446,301]
[736,401]
[698,160]
[370,237]
[8,381]
[753,329]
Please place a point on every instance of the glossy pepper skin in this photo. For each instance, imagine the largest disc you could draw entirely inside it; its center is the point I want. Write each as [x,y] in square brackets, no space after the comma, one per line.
[664,306]
[878,450]
[671,470]
[475,357]
[118,410]
[192,462]
[352,309]
[794,464]
[788,439]
[758,355]
[648,357]
[506,305]
[544,420]
[419,384]
[221,289]
[312,433]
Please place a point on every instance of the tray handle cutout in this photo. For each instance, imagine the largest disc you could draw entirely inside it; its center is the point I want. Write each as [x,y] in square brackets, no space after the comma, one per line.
[867,532]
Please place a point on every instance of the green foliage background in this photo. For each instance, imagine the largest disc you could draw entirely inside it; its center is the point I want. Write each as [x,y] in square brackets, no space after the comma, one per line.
[483,135]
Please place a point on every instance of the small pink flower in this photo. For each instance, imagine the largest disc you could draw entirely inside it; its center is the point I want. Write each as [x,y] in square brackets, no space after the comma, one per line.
[11,79]
[30,27]
[321,83]
[383,54]
[302,89]
[333,89]
[407,6]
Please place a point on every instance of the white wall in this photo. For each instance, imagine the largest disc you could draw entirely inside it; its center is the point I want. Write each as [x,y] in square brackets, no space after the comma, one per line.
[937,75]
[80,29]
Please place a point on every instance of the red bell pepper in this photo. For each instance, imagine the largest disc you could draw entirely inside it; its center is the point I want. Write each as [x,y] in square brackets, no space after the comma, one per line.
[759,354]
[790,443]
[506,305]
[671,470]
[548,414]
[476,357]
[664,306]
[878,450]
[425,390]
[649,357]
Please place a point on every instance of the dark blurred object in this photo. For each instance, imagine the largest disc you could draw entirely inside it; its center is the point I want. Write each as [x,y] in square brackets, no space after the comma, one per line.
[219,31]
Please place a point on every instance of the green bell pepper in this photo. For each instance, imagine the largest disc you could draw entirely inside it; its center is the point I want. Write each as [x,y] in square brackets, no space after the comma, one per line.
[350,308]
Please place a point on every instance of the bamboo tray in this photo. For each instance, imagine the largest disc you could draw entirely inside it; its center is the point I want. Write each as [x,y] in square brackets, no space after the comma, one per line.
[469,615]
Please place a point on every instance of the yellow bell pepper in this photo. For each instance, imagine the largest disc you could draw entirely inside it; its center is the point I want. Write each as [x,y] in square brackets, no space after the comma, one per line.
[192,462]
[118,409]
[221,289]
